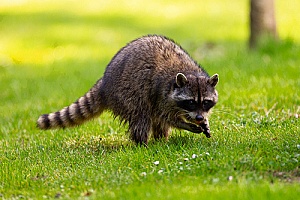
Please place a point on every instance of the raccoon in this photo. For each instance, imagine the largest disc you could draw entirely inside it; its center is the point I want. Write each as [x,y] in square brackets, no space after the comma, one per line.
[152,84]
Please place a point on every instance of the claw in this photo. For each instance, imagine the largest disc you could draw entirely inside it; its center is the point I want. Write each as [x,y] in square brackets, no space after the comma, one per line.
[207,133]
[206,130]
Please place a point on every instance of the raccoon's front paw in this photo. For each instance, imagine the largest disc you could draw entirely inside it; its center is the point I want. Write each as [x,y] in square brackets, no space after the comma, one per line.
[195,129]
[206,130]
[190,127]
[207,133]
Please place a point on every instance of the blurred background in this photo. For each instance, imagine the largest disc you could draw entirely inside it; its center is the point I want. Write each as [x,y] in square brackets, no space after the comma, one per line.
[52,52]
[36,32]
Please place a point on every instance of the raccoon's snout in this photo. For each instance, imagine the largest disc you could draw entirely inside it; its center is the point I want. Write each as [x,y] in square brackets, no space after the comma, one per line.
[199,118]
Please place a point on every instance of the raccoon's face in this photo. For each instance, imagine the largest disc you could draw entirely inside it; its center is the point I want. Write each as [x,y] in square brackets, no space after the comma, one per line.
[194,97]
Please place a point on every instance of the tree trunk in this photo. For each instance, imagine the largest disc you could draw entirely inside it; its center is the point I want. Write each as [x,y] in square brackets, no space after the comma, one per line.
[262,21]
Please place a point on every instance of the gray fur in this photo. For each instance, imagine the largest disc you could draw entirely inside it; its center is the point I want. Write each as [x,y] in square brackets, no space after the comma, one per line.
[145,85]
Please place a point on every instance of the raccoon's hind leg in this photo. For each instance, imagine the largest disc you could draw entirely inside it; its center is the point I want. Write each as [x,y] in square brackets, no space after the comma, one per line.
[140,129]
[160,130]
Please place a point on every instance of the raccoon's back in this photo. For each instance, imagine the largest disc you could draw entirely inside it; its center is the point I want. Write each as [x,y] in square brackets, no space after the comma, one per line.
[147,60]
[141,73]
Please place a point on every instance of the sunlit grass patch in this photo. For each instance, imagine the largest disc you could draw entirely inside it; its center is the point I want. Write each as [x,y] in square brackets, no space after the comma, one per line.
[52,52]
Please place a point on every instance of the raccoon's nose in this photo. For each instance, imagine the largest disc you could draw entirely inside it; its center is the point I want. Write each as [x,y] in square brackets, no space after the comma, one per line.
[199,118]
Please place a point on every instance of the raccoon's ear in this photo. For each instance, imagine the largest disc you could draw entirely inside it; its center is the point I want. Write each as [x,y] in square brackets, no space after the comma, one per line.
[181,80]
[213,80]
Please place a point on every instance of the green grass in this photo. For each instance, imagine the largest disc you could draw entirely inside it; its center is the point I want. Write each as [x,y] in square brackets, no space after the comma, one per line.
[53,52]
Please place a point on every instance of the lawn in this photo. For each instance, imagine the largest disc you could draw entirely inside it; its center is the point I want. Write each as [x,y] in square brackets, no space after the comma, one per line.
[52,52]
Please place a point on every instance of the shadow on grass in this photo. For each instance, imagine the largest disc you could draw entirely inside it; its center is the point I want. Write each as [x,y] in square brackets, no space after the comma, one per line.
[97,144]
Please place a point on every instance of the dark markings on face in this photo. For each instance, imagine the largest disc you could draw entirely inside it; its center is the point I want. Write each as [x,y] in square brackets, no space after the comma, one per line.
[207,104]
[198,95]
[192,105]
[189,105]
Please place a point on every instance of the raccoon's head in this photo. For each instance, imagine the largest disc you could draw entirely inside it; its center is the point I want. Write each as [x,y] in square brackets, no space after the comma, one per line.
[194,97]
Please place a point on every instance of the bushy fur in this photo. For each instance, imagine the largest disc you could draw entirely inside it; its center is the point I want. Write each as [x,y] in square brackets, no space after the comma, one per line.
[146,85]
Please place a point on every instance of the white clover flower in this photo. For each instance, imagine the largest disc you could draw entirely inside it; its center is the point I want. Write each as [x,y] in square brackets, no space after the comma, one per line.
[156,162]
[143,174]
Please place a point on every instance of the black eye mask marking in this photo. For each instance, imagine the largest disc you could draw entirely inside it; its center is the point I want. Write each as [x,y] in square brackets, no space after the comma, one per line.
[189,105]
[207,104]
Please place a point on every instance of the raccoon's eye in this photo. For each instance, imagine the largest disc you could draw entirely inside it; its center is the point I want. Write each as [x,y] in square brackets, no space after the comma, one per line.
[207,104]
[189,105]
[190,102]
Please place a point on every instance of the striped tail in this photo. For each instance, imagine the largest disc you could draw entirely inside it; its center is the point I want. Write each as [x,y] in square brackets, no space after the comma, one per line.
[85,108]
